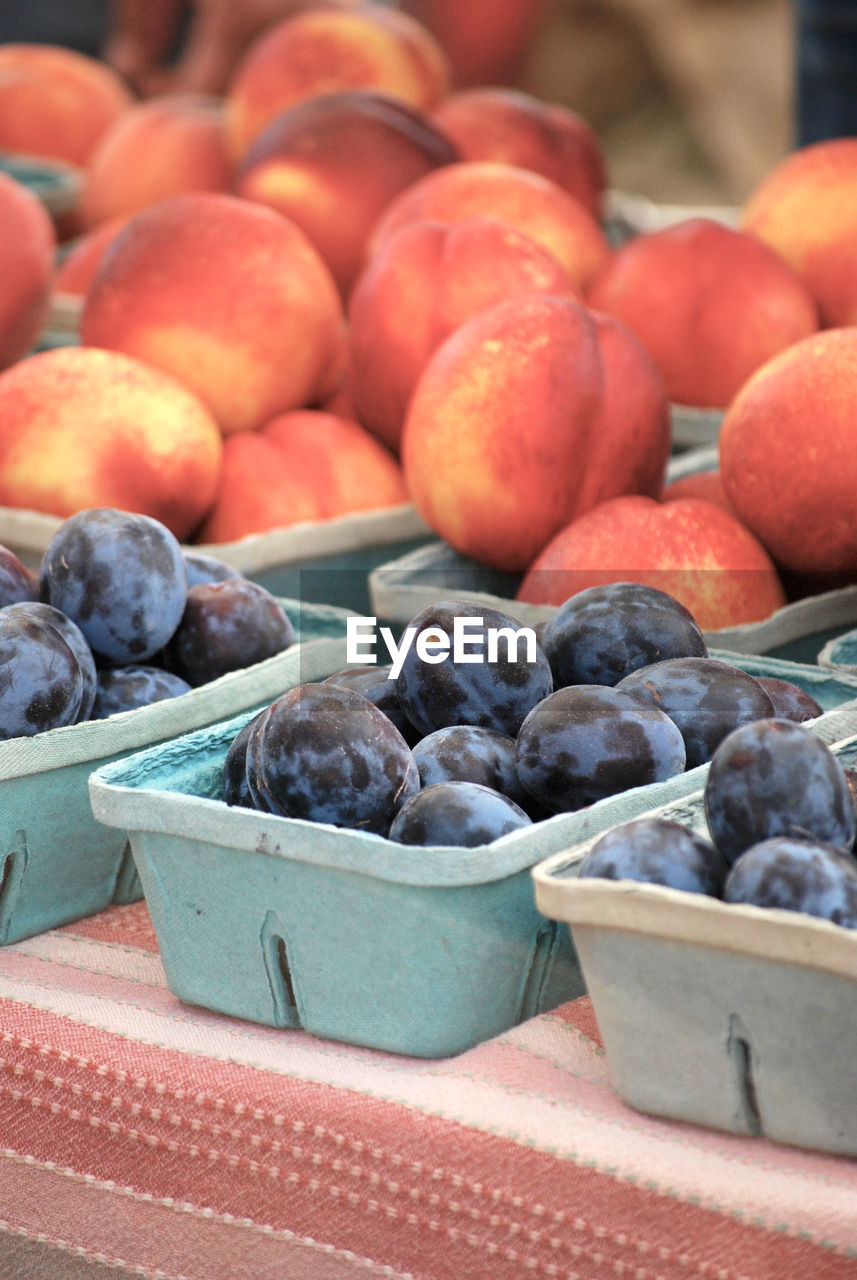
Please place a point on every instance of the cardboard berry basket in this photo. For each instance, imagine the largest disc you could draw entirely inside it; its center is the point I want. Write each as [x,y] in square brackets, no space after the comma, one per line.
[57,184]
[57,864]
[422,951]
[324,561]
[402,588]
[736,1017]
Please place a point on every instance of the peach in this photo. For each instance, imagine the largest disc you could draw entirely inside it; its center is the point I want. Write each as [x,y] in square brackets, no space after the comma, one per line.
[701,484]
[76,270]
[84,428]
[524,415]
[497,123]
[225,295]
[423,282]
[690,548]
[303,465]
[325,49]
[524,199]
[788,453]
[156,149]
[485,40]
[710,303]
[351,151]
[27,246]
[55,102]
[805,208]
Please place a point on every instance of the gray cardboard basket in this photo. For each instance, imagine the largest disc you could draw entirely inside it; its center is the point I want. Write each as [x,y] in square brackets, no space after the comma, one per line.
[735,1017]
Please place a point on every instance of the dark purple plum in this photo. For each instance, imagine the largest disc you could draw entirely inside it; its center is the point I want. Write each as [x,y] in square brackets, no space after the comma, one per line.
[589,741]
[201,567]
[41,685]
[464,814]
[374,683]
[328,754]
[704,696]
[808,876]
[137,685]
[120,577]
[495,690]
[227,626]
[235,788]
[471,753]
[603,633]
[657,851]
[789,700]
[776,778]
[76,641]
[17,582]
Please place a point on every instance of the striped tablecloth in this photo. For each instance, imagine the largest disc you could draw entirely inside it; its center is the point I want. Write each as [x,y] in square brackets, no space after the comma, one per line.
[142,1137]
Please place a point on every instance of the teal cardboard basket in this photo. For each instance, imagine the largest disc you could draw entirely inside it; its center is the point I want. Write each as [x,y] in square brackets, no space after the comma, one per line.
[423,951]
[57,864]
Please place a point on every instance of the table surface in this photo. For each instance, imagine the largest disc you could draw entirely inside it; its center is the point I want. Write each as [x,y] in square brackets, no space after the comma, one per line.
[143,1137]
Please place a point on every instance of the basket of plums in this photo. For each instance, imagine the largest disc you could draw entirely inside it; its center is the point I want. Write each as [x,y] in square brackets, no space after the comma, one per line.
[718,939]
[362,846]
[119,640]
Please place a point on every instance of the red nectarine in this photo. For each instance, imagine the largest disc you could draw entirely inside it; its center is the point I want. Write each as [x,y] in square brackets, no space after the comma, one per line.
[303,465]
[27,246]
[225,295]
[692,549]
[424,281]
[84,428]
[526,414]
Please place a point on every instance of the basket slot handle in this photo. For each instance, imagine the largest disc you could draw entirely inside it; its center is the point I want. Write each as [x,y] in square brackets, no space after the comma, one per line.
[538,969]
[11,878]
[278,968]
[741,1053]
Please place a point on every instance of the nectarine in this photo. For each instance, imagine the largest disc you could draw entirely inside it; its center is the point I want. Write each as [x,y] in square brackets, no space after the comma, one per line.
[788,454]
[351,151]
[524,199]
[322,50]
[27,246]
[711,305]
[83,427]
[56,102]
[424,281]
[303,465]
[156,149]
[690,548]
[805,209]
[227,296]
[526,414]
[492,122]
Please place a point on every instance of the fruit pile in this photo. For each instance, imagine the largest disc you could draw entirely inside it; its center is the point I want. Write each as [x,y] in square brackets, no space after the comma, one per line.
[120,616]
[347,284]
[458,743]
[781,819]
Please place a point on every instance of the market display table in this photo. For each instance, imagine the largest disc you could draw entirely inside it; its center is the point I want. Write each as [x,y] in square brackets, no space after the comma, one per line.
[143,1137]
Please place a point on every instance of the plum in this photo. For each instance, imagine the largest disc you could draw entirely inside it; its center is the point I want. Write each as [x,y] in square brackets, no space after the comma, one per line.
[657,851]
[137,685]
[775,777]
[588,741]
[328,754]
[601,634]
[120,577]
[802,875]
[226,626]
[465,814]
[41,685]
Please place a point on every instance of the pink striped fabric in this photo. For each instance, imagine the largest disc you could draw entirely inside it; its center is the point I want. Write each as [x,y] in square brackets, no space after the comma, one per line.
[143,1137]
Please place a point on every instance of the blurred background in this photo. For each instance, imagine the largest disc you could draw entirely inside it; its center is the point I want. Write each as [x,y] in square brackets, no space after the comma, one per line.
[693,99]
